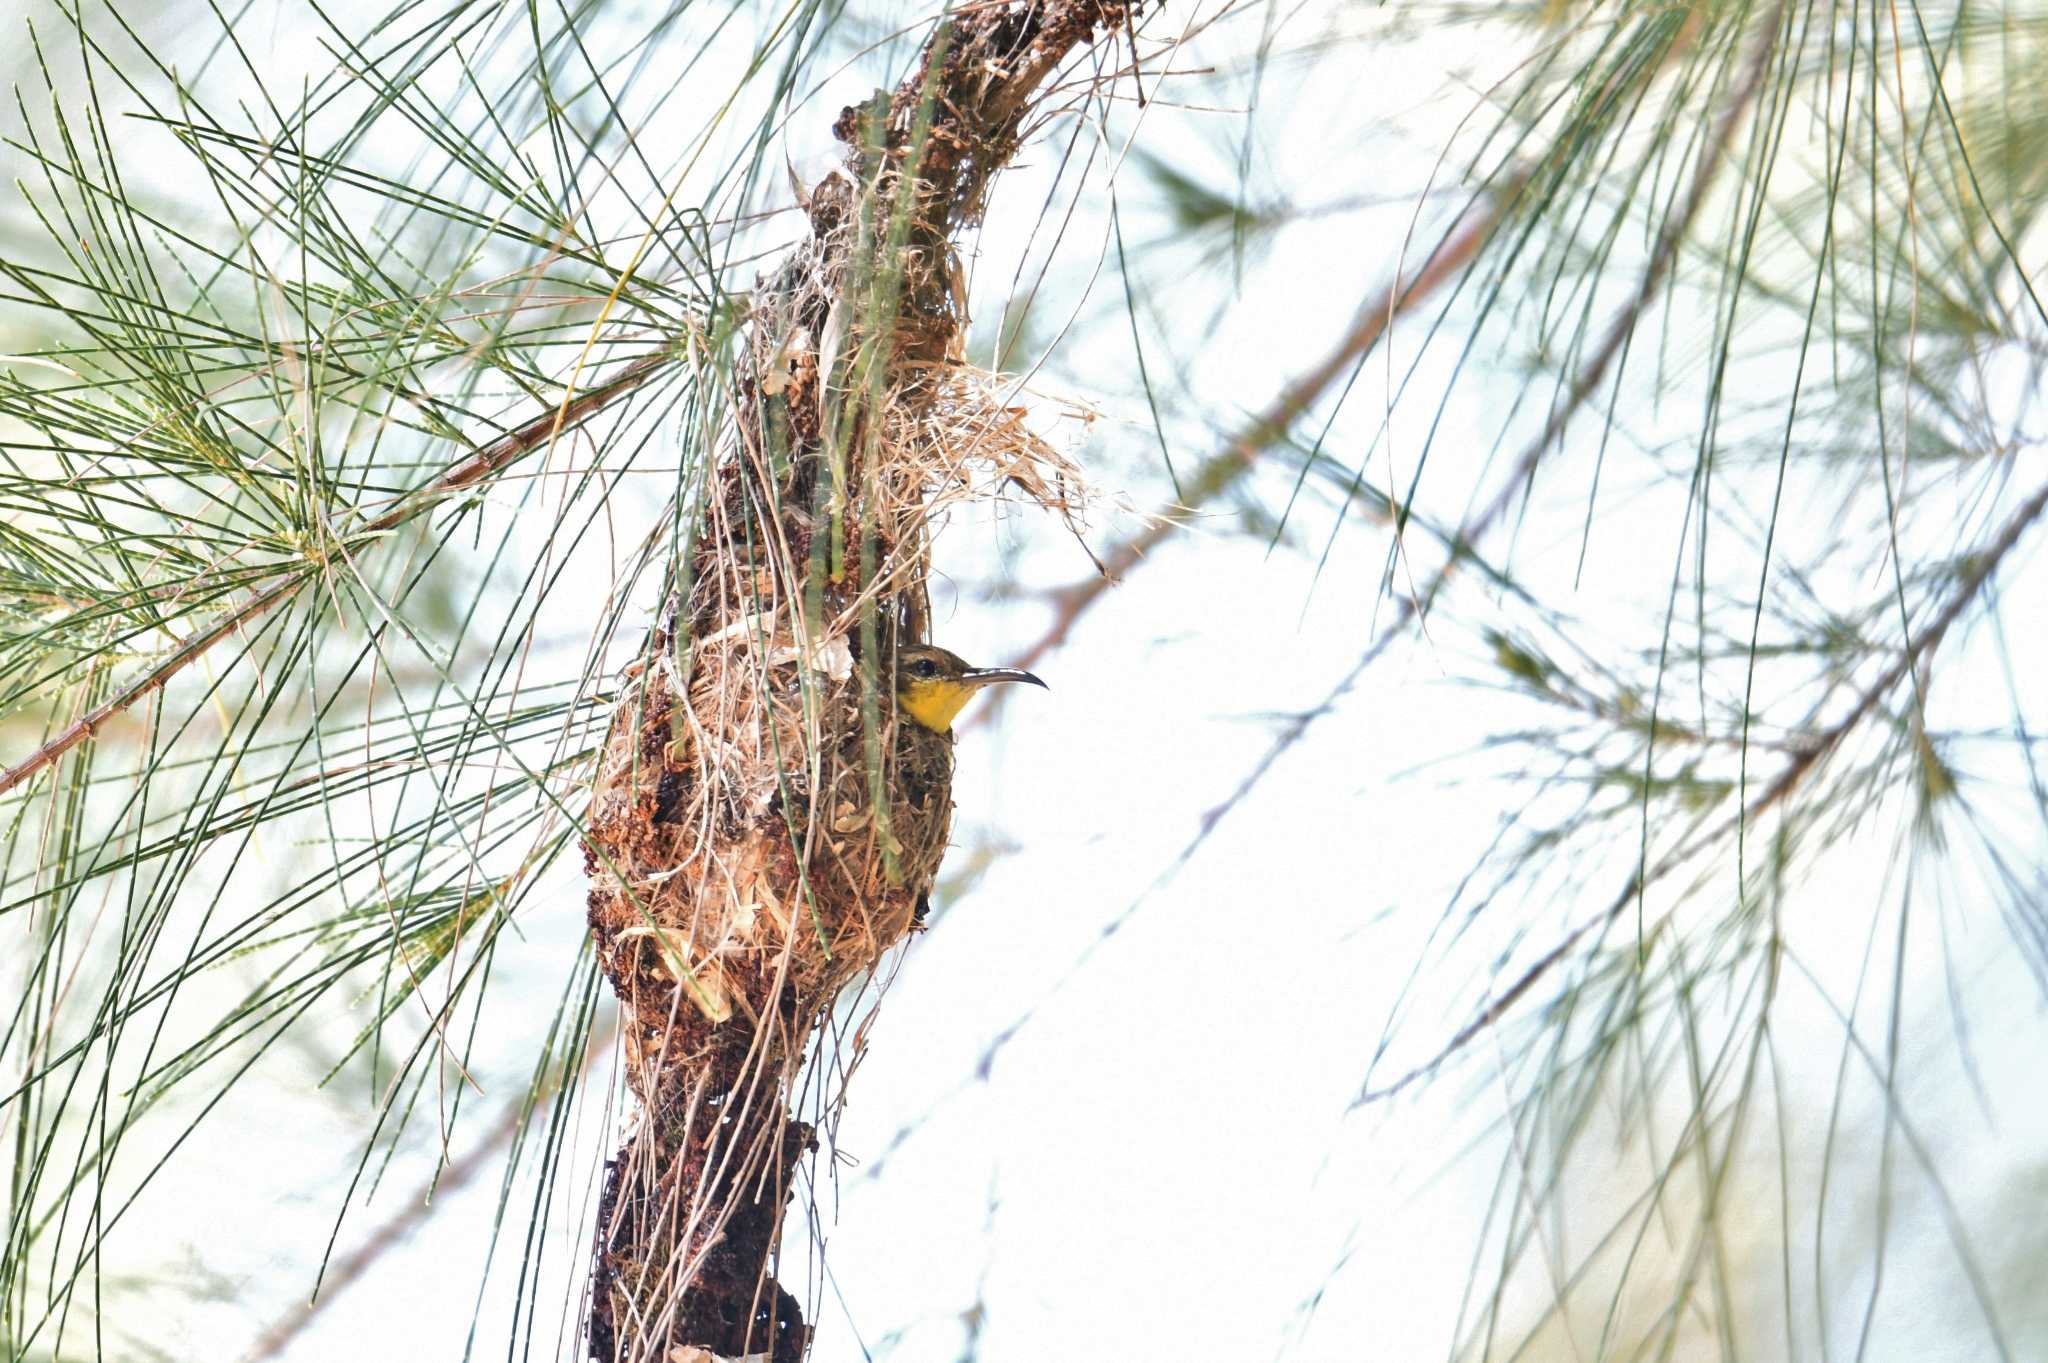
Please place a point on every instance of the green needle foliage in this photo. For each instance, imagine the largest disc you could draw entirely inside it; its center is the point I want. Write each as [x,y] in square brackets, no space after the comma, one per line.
[305,432]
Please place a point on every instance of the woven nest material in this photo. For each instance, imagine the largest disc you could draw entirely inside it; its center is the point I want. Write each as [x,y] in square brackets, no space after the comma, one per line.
[764,827]
[704,830]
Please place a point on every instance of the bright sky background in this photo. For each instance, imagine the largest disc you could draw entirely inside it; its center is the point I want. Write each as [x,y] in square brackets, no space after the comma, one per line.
[1162,1160]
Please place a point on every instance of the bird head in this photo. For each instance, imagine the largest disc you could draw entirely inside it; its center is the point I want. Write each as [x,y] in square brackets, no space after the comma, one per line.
[932,685]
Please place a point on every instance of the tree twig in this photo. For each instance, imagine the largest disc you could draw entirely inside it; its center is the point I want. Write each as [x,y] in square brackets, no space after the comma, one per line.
[1242,451]
[540,430]
[1977,571]
[1415,605]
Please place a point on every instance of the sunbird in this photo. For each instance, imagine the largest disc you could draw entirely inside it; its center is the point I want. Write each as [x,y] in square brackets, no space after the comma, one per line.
[932,685]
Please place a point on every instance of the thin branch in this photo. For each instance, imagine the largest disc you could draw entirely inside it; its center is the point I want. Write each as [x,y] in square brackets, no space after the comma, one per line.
[1623,327]
[540,430]
[1970,583]
[1413,607]
[1222,470]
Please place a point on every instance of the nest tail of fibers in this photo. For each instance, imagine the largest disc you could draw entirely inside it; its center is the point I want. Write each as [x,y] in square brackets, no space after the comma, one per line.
[763,827]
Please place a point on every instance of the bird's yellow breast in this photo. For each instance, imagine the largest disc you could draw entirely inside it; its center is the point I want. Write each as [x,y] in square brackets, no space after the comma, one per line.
[934,702]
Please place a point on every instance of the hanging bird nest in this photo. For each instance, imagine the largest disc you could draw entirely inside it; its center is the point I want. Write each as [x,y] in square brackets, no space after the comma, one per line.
[742,754]
[763,825]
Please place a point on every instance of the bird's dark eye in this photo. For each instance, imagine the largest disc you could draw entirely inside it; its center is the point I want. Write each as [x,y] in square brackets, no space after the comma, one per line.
[923,667]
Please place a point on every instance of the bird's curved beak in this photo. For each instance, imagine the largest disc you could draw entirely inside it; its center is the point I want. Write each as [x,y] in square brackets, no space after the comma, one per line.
[986,676]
